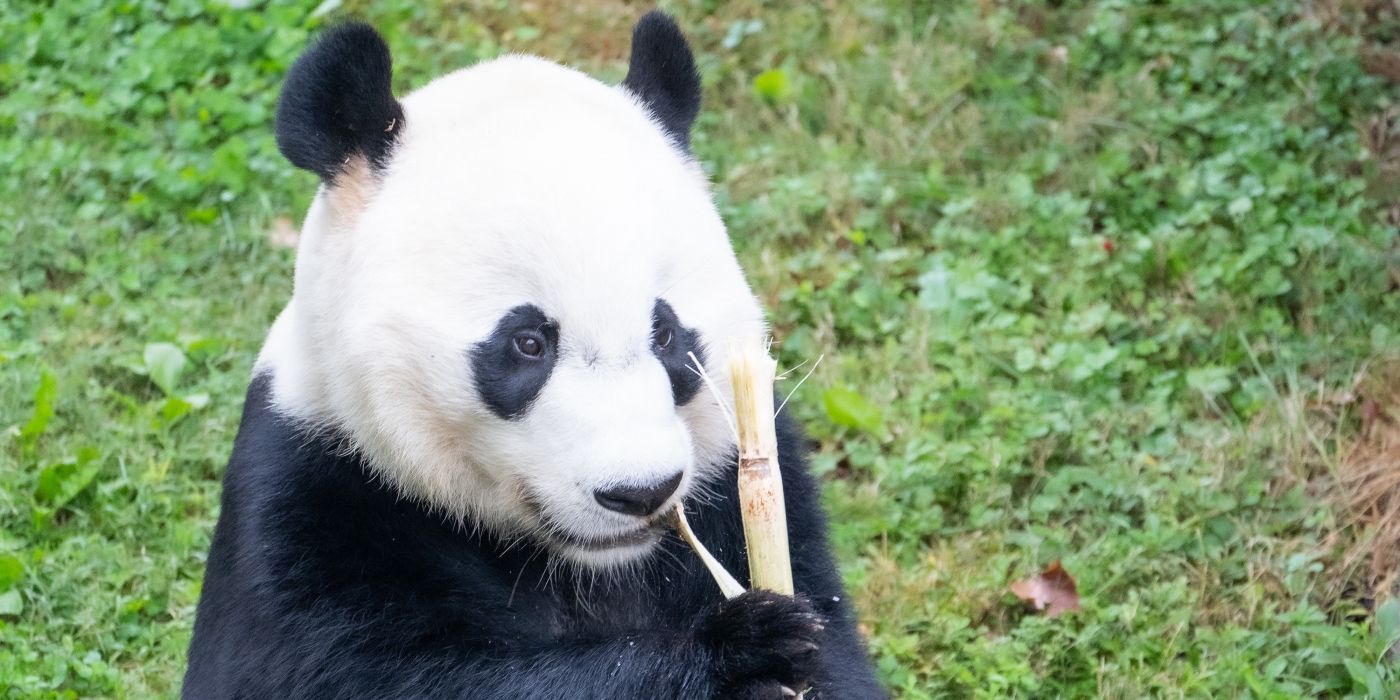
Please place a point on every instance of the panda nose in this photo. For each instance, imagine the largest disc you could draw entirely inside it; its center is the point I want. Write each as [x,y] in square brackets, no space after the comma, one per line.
[637,500]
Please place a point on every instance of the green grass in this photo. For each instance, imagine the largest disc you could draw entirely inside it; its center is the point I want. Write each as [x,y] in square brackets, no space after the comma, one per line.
[1094,282]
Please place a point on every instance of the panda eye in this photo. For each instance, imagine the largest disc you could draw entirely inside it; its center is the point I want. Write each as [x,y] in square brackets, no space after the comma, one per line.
[662,338]
[529,346]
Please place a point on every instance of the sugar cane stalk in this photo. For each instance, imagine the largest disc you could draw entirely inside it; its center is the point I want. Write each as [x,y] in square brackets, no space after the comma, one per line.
[751,373]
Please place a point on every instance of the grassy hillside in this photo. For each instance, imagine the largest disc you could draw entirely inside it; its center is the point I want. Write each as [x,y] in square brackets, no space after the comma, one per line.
[1106,282]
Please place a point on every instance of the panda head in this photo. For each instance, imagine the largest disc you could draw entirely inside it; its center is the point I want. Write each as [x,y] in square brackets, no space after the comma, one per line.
[503,286]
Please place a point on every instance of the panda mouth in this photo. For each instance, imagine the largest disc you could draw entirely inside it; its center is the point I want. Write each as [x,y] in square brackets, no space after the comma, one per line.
[642,536]
[557,535]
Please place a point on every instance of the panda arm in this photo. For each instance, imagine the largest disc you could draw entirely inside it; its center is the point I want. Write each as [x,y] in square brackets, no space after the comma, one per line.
[748,647]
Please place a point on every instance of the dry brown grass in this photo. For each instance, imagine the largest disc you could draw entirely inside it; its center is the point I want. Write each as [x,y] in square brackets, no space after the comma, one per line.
[592,35]
[592,32]
[1369,469]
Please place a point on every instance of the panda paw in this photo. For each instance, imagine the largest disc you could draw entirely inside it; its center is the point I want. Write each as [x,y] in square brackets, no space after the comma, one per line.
[765,645]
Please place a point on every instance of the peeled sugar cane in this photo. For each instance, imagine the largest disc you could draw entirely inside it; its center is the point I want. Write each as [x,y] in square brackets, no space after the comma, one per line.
[751,373]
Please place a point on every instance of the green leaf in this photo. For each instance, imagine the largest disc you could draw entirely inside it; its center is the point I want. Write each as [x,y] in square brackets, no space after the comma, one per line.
[201,349]
[174,409]
[1025,360]
[11,603]
[773,85]
[43,406]
[203,215]
[325,8]
[165,363]
[849,408]
[1388,623]
[1219,530]
[1366,676]
[1210,381]
[11,569]
[60,483]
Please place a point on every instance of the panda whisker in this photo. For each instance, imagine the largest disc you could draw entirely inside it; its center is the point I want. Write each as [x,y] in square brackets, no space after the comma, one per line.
[704,491]
[799,384]
[551,566]
[545,583]
[673,557]
[790,370]
[525,565]
[511,543]
[704,494]
[699,368]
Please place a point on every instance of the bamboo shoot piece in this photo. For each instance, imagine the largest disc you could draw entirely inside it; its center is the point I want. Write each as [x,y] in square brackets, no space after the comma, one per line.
[727,584]
[751,373]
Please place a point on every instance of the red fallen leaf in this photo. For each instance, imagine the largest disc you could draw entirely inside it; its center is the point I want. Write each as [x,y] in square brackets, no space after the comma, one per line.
[1054,591]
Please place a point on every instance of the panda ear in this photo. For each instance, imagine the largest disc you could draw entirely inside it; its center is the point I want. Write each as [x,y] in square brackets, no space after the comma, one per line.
[662,73]
[338,103]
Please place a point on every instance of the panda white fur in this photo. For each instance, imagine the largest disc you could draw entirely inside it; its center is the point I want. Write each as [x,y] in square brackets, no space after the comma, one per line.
[466,424]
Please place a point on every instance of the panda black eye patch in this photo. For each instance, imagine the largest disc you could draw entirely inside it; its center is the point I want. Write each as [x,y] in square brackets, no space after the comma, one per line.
[672,343]
[511,365]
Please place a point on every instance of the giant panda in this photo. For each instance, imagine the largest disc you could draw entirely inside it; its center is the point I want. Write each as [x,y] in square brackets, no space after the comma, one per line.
[465,428]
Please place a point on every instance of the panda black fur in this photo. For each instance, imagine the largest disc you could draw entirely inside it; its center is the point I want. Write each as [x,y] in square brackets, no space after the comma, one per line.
[458,440]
